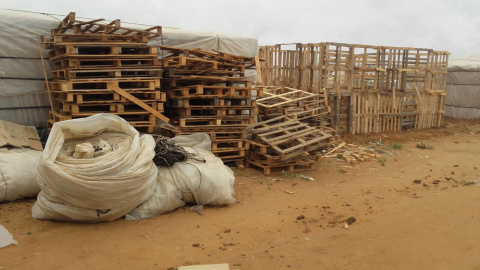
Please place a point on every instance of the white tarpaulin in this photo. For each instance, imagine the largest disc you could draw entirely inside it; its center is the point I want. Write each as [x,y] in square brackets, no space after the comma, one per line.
[463,88]
[21,73]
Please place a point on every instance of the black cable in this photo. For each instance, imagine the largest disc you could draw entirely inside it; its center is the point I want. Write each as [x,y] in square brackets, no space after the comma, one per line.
[167,153]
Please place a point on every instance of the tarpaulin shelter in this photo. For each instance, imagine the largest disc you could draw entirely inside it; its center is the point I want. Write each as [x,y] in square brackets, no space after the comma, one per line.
[23,99]
[463,88]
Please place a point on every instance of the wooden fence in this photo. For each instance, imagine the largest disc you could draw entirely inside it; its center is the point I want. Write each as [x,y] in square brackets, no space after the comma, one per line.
[370,88]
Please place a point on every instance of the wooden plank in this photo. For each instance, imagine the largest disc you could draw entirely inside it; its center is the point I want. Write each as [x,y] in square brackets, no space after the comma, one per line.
[45,72]
[140,103]
[335,148]
[418,92]
[258,70]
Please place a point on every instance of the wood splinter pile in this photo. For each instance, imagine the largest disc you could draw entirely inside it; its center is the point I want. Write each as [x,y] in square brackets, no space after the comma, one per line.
[352,153]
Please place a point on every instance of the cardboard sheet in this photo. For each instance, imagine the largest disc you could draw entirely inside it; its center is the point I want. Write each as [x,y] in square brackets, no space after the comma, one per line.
[15,135]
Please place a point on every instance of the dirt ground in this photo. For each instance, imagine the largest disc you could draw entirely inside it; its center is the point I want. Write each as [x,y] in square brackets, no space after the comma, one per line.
[399,224]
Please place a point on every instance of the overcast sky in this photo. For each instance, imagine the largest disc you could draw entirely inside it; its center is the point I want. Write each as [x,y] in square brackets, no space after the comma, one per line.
[436,24]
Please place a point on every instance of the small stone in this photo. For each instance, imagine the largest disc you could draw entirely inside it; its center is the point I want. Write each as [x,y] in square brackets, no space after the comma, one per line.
[351,220]
[300,217]
[418,181]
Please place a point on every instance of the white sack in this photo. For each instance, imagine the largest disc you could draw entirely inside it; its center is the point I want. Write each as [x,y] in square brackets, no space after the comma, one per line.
[209,183]
[197,140]
[203,183]
[18,173]
[166,198]
[102,188]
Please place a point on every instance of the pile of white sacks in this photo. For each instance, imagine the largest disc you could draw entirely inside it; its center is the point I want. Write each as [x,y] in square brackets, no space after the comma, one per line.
[99,169]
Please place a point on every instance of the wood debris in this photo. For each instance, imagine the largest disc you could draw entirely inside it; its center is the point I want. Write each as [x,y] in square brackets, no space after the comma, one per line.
[352,154]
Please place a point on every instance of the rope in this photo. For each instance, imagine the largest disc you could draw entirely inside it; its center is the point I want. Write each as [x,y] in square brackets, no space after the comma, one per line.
[167,153]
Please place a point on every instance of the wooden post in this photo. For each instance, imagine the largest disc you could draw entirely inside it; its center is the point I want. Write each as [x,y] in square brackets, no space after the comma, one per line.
[45,72]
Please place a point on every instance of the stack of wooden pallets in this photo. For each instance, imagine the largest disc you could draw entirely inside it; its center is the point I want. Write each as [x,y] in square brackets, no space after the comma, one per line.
[208,92]
[287,143]
[104,67]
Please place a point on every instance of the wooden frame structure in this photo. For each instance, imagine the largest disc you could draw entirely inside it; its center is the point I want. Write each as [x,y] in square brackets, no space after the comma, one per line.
[370,88]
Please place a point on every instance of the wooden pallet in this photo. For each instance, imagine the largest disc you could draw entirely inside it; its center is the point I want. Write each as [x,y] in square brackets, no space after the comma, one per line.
[214,122]
[298,113]
[100,51]
[106,96]
[210,111]
[71,27]
[234,162]
[220,144]
[272,158]
[205,91]
[182,81]
[197,66]
[94,108]
[137,61]
[284,96]
[210,101]
[216,134]
[291,167]
[215,56]
[229,153]
[107,84]
[176,72]
[81,74]
[140,119]
[287,137]
[273,154]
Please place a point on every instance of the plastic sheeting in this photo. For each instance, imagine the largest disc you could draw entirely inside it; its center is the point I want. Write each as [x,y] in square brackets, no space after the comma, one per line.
[20,59]
[463,88]
[238,45]
[20,30]
[6,238]
[472,63]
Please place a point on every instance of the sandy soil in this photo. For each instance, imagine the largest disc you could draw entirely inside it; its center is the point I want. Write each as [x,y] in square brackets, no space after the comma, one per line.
[399,224]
